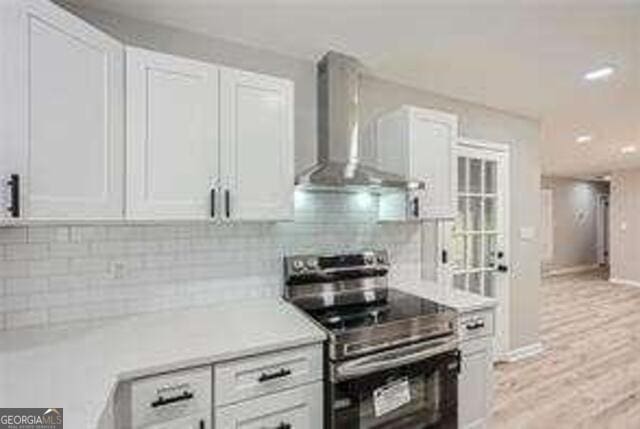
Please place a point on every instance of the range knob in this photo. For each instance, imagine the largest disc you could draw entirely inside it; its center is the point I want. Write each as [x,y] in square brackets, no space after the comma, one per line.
[312,263]
[369,259]
[297,265]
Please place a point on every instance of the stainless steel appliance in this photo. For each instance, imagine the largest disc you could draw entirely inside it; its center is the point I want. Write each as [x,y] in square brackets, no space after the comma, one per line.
[393,358]
[339,164]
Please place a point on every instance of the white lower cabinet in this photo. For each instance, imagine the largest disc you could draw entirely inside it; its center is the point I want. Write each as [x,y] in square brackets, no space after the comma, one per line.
[297,408]
[277,390]
[177,400]
[475,382]
[254,376]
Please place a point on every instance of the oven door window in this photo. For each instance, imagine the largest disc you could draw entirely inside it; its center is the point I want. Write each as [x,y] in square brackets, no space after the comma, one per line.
[418,395]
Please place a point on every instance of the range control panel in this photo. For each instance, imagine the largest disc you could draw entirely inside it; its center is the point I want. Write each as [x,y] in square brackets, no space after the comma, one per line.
[315,264]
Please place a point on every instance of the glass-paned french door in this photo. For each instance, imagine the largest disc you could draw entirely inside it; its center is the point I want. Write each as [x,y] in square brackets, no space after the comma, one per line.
[478,233]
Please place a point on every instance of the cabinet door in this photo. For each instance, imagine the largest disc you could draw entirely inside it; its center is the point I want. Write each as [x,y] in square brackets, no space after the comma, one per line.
[172,136]
[300,407]
[433,135]
[475,384]
[257,146]
[64,82]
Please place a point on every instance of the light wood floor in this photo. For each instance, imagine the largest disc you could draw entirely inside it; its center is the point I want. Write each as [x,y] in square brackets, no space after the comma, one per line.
[589,373]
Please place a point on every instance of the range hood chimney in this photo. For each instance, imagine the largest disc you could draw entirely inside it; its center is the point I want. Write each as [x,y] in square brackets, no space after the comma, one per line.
[339,165]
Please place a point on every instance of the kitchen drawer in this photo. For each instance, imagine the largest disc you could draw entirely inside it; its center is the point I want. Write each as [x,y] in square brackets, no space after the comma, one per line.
[177,399]
[297,408]
[268,373]
[476,324]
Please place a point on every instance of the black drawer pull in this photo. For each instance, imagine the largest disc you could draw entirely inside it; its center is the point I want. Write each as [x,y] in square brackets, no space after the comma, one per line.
[278,374]
[284,425]
[227,203]
[476,325]
[166,401]
[14,188]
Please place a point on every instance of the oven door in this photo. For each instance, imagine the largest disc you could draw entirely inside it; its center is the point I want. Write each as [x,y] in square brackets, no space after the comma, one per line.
[417,394]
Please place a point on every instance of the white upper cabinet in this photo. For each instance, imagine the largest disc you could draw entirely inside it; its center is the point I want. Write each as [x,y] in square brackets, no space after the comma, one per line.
[63,134]
[418,144]
[257,146]
[172,136]
[202,141]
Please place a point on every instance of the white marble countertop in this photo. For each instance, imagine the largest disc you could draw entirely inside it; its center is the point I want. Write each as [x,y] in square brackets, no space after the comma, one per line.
[78,368]
[461,301]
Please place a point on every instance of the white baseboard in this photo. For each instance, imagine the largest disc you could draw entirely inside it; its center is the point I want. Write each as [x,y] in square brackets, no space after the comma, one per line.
[522,353]
[571,270]
[624,282]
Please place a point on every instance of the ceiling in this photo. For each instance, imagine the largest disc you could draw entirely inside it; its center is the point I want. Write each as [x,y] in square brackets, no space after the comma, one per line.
[522,56]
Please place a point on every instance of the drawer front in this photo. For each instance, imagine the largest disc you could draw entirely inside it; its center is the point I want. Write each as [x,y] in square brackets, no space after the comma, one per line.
[476,324]
[171,399]
[264,374]
[298,408]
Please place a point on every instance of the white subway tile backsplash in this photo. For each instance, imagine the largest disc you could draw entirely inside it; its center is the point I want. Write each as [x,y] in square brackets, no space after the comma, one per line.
[25,319]
[42,234]
[13,235]
[73,274]
[19,251]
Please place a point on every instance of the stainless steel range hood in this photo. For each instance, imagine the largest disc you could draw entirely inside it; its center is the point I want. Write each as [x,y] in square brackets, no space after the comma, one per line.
[339,166]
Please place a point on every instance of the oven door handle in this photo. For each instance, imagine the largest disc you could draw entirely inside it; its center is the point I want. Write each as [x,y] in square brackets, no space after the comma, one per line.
[394,358]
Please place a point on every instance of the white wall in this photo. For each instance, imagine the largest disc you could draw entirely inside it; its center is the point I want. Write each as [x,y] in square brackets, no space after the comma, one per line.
[625,226]
[575,239]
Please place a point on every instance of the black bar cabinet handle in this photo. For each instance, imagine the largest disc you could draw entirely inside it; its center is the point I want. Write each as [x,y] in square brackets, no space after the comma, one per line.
[445,257]
[284,372]
[416,207]
[213,202]
[475,325]
[14,186]
[284,425]
[201,424]
[227,203]
[166,401]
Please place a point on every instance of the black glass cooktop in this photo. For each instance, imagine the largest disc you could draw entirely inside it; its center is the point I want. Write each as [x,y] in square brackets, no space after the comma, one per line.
[396,307]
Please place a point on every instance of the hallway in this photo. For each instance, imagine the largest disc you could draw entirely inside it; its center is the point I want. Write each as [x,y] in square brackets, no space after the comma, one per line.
[589,373]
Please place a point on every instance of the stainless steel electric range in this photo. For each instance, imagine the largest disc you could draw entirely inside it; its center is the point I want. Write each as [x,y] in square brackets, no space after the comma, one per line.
[392,358]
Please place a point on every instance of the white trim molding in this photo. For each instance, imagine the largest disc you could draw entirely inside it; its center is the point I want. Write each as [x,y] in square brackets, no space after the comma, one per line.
[626,282]
[571,270]
[521,353]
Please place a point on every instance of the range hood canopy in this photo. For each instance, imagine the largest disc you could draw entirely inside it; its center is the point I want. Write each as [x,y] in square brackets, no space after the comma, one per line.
[339,164]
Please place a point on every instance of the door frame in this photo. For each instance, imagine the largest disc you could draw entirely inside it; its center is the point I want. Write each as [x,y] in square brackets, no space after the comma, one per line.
[503,317]
[547,233]
[602,227]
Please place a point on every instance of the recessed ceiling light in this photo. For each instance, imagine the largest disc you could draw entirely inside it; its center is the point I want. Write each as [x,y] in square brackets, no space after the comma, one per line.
[628,149]
[601,73]
[583,139]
